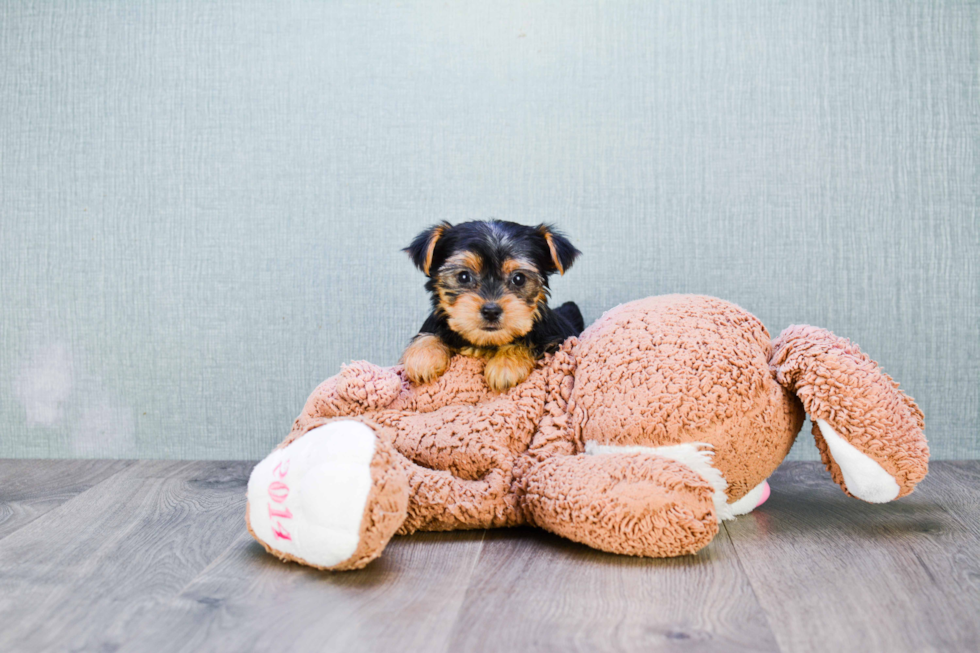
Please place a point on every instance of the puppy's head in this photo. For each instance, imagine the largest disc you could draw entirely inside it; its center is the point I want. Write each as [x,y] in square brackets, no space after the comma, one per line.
[490,278]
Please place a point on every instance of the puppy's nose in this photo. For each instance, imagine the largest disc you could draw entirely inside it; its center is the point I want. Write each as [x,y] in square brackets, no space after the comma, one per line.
[491,311]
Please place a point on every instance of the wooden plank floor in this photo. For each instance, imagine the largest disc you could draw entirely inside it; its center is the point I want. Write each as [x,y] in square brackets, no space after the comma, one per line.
[153,556]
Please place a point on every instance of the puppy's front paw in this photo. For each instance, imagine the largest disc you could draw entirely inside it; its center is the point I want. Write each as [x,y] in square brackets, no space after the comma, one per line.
[508,367]
[426,358]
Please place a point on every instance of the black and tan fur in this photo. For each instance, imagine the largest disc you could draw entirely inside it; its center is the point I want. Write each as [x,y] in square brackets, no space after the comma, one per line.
[489,287]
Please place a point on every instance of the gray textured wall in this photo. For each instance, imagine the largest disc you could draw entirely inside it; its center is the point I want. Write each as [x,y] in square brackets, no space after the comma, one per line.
[202,203]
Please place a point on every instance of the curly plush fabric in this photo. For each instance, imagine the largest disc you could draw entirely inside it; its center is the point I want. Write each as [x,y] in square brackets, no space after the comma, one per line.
[839,384]
[649,506]
[633,438]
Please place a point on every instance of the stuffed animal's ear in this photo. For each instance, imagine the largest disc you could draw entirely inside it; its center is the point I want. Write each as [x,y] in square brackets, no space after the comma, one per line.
[563,253]
[424,245]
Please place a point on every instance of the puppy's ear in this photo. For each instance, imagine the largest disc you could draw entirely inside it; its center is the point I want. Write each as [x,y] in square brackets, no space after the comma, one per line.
[563,253]
[421,249]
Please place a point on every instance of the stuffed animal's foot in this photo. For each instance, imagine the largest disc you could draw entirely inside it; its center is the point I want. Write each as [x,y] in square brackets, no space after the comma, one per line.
[752,500]
[331,499]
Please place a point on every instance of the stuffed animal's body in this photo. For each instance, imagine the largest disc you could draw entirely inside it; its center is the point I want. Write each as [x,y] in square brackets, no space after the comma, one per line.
[664,417]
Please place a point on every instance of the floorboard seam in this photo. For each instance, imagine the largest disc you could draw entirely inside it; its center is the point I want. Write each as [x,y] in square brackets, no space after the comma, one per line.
[127,638]
[748,577]
[469,583]
[132,463]
[218,558]
[951,509]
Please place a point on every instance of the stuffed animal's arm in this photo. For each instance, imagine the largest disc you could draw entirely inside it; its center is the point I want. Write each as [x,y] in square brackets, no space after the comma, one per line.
[471,440]
[439,501]
[361,387]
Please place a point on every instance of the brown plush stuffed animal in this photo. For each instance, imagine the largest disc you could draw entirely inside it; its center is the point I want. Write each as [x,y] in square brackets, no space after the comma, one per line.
[663,418]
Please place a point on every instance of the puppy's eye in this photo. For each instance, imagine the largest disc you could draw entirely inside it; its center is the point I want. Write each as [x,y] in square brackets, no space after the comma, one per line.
[464,277]
[518,279]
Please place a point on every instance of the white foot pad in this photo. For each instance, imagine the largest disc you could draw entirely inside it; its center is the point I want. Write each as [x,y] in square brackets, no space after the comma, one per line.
[863,477]
[752,500]
[308,498]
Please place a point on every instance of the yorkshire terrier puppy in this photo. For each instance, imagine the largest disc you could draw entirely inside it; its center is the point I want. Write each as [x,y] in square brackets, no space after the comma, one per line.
[489,287]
